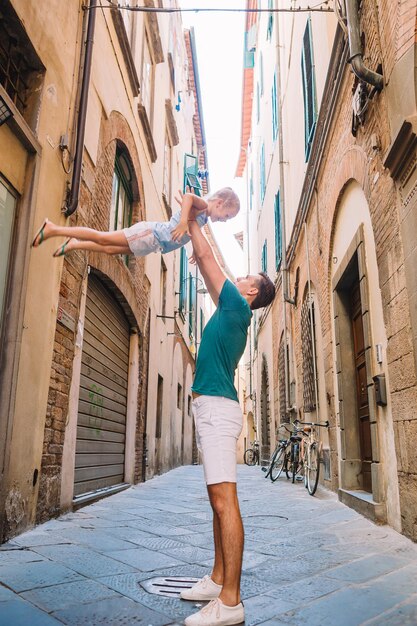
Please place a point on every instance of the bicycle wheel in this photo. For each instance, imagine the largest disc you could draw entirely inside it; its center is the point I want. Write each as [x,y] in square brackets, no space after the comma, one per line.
[287,464]
[277,464]
[294,460]
[313,469]
[250,457]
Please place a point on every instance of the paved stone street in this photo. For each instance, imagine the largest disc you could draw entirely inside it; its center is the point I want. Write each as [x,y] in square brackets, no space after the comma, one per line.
[308,561]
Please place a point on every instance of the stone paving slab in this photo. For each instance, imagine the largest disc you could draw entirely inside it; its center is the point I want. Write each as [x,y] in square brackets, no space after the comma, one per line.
[62,596]
[25,576]
[16,612]
[308,561]
[111,612]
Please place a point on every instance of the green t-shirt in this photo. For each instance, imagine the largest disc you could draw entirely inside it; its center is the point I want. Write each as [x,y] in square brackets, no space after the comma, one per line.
[222,345]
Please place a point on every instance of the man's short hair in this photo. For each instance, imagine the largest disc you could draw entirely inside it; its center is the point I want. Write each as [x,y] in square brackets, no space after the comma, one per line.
[266,291]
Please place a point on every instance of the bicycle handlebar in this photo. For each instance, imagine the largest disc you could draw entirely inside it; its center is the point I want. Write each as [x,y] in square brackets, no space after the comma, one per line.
[325,424]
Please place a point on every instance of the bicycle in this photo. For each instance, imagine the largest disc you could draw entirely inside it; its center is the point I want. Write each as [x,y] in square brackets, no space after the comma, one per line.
[311,450]
[277,460]
[251,455]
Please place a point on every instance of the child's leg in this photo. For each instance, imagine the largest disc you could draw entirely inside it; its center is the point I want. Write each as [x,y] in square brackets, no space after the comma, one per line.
[113,238]
[75,244]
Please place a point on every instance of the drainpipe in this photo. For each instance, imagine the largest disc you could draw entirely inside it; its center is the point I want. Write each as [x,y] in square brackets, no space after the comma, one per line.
[284,269]
[71,202]
[355,47]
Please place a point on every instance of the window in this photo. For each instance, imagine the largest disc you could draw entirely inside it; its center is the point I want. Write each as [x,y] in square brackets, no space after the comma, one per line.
[167,186]
[8,201]
[183,280]
[274,106]
[282,382]
[264,259]
[172,50]
[190,406]
[148,79]
[190,174]
[159,403]
[163,288]
[308,343]
[262,173]
[127,18]
[250,46]
[270,20]
[309,88]
[179,397]
[278,230]
[122,195]
[21,72]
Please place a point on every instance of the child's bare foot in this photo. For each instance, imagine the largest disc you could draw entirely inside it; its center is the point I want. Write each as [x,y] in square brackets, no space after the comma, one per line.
[44,232]
[68,245]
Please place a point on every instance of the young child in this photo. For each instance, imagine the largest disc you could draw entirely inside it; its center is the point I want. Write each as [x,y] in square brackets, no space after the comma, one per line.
[145,237]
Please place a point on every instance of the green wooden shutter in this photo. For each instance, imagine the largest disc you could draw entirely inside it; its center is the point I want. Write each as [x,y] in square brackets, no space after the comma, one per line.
[309,88]
[190,174]
[278,230]
[191,305]
[264,260]
[183,280]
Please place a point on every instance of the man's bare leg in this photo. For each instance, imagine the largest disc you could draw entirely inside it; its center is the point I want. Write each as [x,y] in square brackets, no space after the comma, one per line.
[217,574]
[224,501]
[113,238]
[75,244]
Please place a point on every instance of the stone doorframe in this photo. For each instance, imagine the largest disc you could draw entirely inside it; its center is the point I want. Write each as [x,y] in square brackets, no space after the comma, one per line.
[350,488]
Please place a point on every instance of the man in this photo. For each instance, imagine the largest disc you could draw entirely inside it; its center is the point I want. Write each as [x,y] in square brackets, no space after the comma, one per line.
[218,420]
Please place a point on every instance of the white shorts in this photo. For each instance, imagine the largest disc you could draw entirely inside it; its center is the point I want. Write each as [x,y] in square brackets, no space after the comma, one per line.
[218,424]
[141,238]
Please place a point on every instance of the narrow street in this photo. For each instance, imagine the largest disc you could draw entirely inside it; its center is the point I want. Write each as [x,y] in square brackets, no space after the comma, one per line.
[309,561]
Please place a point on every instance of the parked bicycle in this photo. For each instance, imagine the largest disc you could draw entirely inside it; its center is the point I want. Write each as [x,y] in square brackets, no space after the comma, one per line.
[298,455]
[251,456]
[277,460]
[311,451]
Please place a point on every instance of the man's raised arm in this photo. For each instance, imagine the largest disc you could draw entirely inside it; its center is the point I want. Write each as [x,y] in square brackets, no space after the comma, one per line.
[210,269]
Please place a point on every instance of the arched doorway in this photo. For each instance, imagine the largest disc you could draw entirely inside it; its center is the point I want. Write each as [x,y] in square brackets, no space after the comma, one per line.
[102,404]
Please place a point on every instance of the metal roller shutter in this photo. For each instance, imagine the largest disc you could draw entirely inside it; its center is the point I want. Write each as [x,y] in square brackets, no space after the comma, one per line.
[101,428]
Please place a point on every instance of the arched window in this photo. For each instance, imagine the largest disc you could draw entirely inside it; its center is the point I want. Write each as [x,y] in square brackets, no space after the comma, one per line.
[122,193]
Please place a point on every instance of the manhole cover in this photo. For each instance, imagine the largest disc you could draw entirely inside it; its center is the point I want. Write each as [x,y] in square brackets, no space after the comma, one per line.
[170,586]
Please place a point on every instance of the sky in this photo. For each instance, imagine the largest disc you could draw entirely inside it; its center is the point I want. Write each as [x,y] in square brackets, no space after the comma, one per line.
[219,40]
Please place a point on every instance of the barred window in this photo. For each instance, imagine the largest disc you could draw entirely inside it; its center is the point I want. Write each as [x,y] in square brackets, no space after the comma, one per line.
[309,350]
[284,418]
[21,71]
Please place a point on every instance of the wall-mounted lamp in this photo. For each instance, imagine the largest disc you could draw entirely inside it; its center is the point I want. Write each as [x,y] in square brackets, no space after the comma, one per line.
[203,289]
[5,112]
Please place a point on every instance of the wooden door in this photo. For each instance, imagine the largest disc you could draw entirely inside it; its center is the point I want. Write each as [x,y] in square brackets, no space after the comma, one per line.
[361,388]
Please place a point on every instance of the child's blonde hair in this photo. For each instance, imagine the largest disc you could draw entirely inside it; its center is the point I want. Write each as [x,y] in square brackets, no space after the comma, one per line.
[228,196]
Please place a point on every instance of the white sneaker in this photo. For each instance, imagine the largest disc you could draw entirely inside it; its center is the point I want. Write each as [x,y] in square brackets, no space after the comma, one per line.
[204,589]
[217,614]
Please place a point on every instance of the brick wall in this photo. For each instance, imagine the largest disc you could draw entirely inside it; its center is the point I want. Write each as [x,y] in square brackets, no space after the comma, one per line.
[131,288]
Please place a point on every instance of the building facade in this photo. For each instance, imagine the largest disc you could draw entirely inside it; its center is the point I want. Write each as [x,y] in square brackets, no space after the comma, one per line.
[328,153]
[97,351]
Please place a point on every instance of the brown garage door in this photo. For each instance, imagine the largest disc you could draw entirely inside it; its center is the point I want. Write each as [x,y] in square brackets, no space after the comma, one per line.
[101,430]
